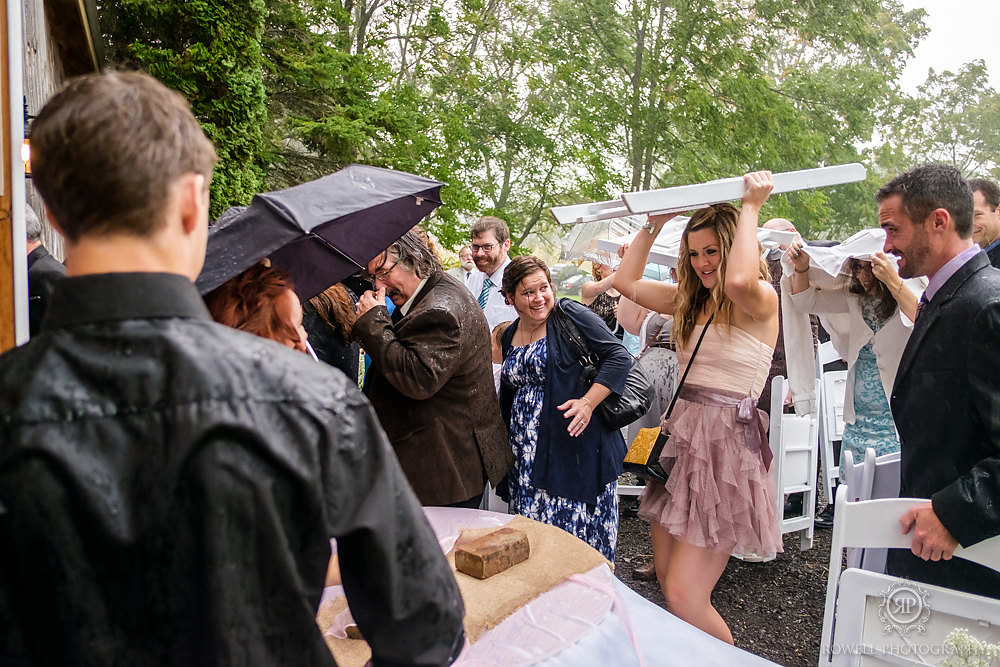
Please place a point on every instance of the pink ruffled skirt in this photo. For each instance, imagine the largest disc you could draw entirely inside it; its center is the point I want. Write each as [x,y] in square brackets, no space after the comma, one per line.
[718,495]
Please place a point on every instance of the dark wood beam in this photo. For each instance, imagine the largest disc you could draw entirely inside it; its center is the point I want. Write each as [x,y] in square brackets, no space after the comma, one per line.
[76,34]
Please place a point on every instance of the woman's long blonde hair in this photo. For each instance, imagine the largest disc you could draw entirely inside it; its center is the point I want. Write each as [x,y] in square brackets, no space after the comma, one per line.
[691,294]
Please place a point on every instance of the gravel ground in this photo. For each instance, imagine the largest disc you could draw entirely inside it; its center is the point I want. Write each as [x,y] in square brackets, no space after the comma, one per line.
[774,609]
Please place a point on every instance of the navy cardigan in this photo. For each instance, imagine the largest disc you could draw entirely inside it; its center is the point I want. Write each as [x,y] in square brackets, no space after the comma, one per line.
[575,468]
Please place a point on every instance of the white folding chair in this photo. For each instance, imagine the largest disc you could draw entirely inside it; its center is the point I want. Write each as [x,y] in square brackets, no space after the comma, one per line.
[862,620]
[825,354]
[857,478]
[884,483]
[793,440]
[831,406]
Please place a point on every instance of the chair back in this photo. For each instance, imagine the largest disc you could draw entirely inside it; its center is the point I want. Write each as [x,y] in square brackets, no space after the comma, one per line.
[831,421]
[793,440]
[847,625]
[883,482]
[825,354]
[857,478]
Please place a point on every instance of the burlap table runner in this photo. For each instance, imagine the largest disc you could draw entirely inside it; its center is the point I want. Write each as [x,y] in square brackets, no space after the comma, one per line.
[555,555]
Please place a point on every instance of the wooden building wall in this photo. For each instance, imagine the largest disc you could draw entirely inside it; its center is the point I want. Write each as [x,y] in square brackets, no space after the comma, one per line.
[43,74]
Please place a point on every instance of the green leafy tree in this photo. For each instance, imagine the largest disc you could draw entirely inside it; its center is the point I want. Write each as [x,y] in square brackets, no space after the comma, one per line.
[500,136]
[209,51]
[954,118]
[703,89]
[521,106]
[332,100]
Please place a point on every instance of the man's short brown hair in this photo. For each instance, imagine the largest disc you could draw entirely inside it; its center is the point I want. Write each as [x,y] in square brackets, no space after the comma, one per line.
[929,187]
[990,190]
[491,223]
[106,149]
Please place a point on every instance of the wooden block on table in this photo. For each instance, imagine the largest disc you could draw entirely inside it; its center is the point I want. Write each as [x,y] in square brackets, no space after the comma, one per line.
[492,553]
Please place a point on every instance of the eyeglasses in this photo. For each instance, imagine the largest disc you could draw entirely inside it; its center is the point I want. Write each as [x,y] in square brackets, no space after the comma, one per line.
[382,273]
[486,247]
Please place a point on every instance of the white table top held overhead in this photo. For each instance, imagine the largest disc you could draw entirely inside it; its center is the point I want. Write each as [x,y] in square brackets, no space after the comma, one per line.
[688,197]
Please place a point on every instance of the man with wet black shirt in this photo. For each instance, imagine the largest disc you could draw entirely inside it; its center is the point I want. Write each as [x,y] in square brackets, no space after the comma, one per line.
[169,486]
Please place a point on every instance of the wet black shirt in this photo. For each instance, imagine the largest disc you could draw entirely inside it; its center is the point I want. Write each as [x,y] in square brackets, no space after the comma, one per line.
[168,487]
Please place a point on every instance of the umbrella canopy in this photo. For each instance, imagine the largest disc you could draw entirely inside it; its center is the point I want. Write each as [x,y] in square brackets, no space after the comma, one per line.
[580,242]
[319,232]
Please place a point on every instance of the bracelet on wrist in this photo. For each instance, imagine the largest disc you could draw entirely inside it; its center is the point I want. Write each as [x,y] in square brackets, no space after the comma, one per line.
[805,271]
[587,401]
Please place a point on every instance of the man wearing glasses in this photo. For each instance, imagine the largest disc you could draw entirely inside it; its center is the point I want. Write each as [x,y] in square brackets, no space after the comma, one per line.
[490,243]
[431,379]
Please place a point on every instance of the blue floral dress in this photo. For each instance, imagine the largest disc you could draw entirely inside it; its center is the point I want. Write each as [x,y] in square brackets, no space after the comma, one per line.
[595,524]
[873,426]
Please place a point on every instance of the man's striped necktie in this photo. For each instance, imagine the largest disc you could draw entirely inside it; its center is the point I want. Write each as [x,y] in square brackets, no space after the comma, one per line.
[484,295]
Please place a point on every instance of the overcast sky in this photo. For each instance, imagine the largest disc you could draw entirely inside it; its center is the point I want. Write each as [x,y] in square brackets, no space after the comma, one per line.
[960,31]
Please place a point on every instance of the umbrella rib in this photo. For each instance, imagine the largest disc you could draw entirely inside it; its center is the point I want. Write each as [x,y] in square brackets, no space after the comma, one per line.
[335,249]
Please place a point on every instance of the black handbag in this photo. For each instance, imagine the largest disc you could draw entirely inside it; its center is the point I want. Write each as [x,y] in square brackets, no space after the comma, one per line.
[651,469]
[617,410]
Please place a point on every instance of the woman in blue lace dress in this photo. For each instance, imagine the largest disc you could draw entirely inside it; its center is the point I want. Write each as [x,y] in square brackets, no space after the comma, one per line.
[566,461]
[881,311]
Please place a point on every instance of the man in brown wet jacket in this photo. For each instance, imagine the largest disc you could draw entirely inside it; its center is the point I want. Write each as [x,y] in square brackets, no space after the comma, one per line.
[431,379]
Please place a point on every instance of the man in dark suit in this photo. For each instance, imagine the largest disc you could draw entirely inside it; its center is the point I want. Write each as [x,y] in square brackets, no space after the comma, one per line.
[43,272]
[946,399]
[431,379]
[986,217]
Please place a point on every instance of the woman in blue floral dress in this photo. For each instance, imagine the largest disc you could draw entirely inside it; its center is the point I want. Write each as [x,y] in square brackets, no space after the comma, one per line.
[566,461]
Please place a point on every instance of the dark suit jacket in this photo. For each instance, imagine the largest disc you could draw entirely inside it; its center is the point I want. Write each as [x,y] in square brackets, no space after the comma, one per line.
[431,382]
[994,256]
[43,272]
[946,404]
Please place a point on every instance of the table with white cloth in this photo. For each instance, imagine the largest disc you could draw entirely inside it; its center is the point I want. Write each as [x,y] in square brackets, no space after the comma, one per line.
[591,618]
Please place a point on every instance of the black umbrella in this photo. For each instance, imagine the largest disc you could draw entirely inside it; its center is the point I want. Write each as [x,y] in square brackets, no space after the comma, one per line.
[319,232]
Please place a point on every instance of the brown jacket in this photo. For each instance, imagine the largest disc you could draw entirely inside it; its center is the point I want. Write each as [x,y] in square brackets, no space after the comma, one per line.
[431,382]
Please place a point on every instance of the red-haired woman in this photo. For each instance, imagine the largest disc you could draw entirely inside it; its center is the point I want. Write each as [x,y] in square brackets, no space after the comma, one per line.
[260,301]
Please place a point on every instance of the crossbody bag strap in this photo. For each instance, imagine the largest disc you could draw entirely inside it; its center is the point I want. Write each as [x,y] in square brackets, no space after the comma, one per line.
[572,334]
[687,370]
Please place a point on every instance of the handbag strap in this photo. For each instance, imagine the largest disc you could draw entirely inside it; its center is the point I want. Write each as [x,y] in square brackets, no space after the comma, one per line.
[677,393]
[571,333]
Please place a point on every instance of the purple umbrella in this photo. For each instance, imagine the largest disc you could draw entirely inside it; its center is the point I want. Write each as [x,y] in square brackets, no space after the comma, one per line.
[319,232]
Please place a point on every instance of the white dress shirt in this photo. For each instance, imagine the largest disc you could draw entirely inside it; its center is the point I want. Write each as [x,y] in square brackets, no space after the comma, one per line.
[496,310]
[405,308]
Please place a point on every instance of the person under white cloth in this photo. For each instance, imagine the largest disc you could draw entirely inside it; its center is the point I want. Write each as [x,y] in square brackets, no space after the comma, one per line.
[827,270]
[490,243]
[878,309]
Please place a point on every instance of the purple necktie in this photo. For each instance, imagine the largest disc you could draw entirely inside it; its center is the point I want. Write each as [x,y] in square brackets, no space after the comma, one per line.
[921,306]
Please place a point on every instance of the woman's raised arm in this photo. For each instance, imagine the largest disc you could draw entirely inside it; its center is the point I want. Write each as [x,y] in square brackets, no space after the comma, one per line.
[631,315]
[743,284]
[628,280]
[885,270]
[591,289]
